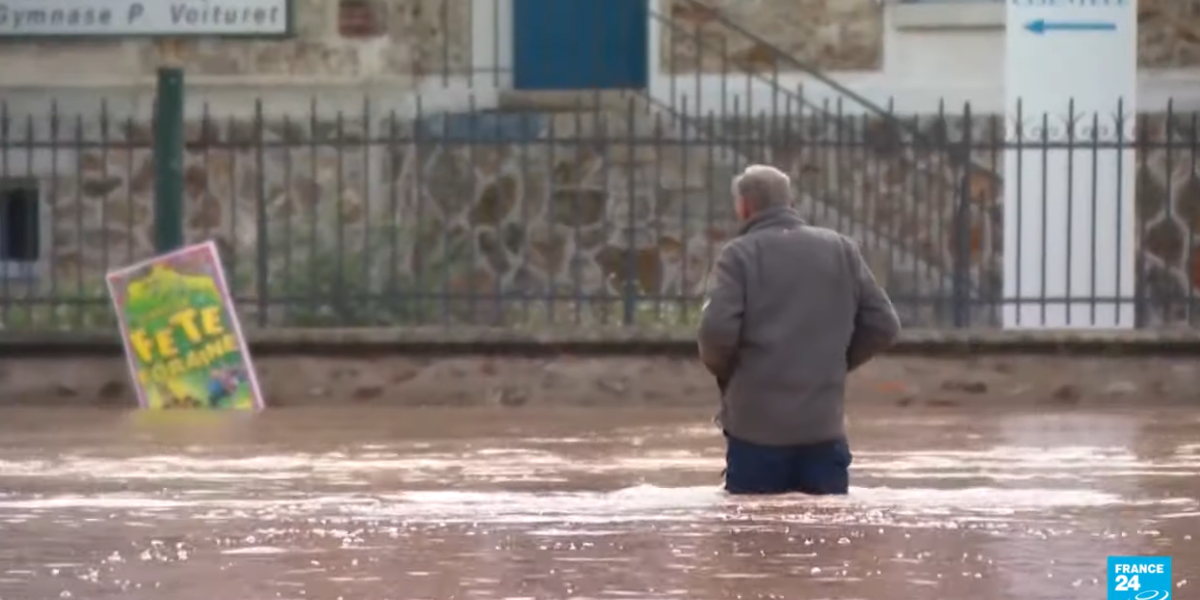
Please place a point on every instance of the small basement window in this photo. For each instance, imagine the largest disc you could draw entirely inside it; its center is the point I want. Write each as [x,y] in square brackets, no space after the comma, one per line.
[20,222]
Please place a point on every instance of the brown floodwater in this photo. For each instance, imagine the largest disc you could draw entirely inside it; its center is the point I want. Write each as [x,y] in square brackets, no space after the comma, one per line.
[371,503]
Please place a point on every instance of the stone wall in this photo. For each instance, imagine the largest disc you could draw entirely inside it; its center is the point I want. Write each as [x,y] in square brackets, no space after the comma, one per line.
[1169,33]
[906,383]
[829,34]
[337,223]
[900,194]
[1167,209]
[322,224]
[1168,196]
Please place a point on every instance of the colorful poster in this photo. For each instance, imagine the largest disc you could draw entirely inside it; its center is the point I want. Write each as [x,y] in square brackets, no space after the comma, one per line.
[183,342]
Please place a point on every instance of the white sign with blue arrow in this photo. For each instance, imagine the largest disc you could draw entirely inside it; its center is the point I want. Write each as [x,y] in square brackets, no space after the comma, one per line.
[1070,74]
[1040,26]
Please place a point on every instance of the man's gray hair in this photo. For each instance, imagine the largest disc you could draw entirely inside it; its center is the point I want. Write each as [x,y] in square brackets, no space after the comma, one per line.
[762,187]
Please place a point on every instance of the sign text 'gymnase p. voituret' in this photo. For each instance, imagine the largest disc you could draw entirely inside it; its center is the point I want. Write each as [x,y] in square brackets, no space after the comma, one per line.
[83,18]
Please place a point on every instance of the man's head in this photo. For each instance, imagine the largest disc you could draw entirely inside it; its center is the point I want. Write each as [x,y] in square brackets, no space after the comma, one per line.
[760,187]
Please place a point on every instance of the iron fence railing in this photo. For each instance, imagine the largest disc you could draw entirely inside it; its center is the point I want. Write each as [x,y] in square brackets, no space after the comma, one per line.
[606,215]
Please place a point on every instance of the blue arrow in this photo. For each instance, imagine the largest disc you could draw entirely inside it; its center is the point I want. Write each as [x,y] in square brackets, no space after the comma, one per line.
[1041,26]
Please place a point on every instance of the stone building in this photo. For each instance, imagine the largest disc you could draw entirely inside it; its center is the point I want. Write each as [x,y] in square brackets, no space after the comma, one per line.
[391,146]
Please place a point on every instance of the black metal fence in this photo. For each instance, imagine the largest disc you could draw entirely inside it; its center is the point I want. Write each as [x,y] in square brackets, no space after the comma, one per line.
[608,214]
[604,209]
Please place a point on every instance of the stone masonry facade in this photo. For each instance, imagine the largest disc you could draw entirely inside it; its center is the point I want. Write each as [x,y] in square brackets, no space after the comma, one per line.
[353,216]
[585,212]
[380,38]
[332,224]
[848,35]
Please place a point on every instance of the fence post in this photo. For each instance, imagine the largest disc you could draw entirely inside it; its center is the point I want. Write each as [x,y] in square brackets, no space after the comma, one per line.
[168,160]
[962,228]
[630,295]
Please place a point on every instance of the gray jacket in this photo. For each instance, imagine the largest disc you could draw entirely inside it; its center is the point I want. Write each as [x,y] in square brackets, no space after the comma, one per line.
[791,310]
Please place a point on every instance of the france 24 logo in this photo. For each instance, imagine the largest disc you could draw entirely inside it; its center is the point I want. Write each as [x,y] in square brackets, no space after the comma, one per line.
[1139,577]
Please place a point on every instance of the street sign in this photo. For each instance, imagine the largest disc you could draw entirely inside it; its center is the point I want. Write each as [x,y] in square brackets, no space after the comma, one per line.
[154,18]
[1040,26]
[1070,97]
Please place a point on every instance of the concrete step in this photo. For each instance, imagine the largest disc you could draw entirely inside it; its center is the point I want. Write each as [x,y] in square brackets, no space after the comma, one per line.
[574,101]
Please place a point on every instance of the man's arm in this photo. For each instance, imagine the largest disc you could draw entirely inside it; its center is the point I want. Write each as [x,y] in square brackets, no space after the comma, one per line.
[721,322]
[876,324]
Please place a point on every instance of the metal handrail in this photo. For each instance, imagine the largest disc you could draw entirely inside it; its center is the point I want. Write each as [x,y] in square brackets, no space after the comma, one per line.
[777,88]
[964,284]
[713,137]
[811,70]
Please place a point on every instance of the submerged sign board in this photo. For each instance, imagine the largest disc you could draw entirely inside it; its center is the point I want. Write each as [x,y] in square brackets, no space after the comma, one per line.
[1070,96]
[159,18]
[183,342]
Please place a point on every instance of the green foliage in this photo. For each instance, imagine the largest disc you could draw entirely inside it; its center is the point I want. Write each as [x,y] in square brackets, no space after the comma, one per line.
[369,280]
[366,280]
[315,281]
[81,307]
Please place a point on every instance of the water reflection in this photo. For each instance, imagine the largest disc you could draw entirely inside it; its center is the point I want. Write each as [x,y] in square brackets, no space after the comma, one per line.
[1055,557]
[579,504]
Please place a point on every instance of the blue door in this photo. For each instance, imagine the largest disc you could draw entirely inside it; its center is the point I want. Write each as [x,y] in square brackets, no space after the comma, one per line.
[579,44]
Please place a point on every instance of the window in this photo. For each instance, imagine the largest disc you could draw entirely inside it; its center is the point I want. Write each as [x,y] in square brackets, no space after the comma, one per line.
[20,224]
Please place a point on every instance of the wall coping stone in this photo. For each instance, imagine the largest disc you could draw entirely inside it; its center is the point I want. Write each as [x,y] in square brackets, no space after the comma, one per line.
[616,341]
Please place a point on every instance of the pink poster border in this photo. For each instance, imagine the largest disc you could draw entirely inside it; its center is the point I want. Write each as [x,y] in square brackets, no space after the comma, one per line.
[209,248]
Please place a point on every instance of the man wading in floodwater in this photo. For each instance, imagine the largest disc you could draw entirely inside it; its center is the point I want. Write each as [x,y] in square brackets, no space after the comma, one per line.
[791,310]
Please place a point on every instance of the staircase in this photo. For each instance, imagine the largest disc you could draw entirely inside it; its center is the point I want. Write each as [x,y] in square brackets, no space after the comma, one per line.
[667,204]
[628,197]
[926,211]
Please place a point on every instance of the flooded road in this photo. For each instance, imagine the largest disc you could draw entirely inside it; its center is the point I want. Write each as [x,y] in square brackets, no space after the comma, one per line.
[376,504]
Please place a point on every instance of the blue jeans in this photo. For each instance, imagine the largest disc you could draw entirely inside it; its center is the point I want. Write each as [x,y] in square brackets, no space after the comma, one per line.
[818,469]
